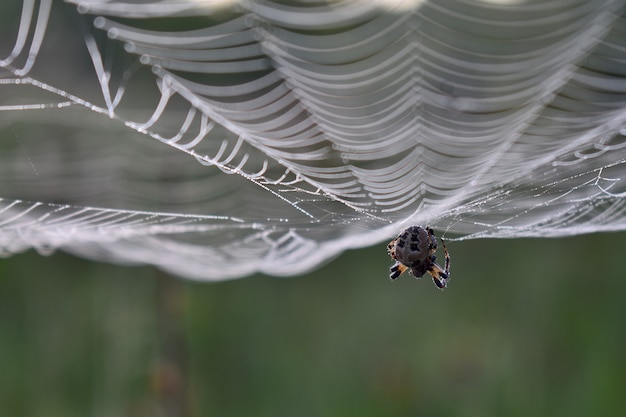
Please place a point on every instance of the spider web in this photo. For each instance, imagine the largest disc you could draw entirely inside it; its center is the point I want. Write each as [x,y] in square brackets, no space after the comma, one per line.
[218,139]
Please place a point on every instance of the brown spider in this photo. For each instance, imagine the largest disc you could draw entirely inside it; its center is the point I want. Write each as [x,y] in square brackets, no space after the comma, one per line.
[415,249]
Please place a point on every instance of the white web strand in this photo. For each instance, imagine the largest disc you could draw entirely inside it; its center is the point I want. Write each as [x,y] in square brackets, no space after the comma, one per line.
[225,138]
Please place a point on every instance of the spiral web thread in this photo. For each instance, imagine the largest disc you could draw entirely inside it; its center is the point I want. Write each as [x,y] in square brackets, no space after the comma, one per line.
[218,139]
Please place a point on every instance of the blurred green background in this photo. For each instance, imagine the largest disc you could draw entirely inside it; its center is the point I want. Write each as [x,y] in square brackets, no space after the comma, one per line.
[532,327]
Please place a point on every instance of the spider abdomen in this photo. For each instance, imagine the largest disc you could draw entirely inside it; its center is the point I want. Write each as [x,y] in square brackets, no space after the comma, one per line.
[412,247]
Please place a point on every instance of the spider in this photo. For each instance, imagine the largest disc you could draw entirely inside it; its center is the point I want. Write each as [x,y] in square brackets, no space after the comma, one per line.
[414,249]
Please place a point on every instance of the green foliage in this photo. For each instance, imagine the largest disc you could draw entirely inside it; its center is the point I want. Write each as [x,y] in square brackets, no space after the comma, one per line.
[526,328]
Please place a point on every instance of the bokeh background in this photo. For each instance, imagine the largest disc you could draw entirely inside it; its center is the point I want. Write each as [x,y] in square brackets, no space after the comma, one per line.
[529,327]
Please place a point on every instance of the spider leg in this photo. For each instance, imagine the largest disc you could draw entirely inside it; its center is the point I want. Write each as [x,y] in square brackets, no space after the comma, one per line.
[396,270]
[440,277]
[440,283]
[447,255]
[391,249]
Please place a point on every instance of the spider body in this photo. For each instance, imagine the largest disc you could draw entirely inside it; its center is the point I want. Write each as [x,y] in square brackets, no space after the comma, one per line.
[414,250]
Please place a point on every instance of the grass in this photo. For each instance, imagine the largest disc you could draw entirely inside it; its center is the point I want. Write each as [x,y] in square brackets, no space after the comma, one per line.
[526,327]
